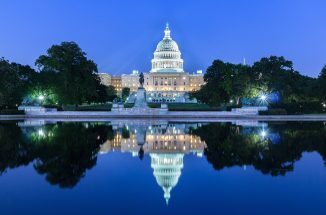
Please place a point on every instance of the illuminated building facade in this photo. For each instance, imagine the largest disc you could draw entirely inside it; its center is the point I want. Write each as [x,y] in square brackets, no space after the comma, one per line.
[166,81]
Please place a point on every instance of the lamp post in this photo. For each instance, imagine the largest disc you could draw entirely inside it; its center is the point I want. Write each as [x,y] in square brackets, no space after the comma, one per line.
[263,98]
[41,97]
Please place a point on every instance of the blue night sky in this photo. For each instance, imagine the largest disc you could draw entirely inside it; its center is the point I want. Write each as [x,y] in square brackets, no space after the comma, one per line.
[122,35]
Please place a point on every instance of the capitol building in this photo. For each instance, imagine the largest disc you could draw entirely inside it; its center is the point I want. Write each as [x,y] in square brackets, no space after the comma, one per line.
[166,81]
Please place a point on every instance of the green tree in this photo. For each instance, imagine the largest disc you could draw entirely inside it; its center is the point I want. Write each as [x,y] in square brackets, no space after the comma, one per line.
[278,75]
[102,94]
[111,92]
[77,81]
[125,93]
[218,84]
[322,84]
[226,81]
[15,79]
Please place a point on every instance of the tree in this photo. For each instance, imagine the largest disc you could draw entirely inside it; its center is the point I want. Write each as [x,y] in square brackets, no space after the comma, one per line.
[111,92]
[15,79]
[244,84]
[218,84]
[77,81]
[125,93]
[278,75]
[322,84]
[225,81]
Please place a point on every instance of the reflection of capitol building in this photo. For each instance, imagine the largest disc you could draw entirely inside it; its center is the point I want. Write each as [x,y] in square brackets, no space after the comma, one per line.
[166,144]
[167,81]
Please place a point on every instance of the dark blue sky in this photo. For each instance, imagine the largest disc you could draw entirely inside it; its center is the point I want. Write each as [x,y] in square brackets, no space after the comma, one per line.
[122,35]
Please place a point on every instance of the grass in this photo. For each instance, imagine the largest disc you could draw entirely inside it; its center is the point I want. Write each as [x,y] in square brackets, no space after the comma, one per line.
[92,107]
[191,107]
[185,107]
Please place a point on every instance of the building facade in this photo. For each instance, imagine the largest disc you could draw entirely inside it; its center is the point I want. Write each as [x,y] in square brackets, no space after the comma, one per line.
[166,81]
[131,80]
[105,79]
[117,83]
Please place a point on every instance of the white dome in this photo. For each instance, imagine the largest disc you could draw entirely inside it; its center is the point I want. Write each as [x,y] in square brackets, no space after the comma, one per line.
[167,45]
[167,56]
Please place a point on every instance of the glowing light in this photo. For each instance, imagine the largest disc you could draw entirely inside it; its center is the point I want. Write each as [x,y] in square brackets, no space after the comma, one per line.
[231,101]
[41,97]
[263,97]
[40,133]
[263,134]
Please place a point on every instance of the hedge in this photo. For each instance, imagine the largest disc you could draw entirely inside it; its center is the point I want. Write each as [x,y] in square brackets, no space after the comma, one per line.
[11,112]
[300,107]
[273,112]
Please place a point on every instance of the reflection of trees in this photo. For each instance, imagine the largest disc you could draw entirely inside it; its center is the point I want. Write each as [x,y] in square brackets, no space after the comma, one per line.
[125,133]
[65,151]
[73,149]
[62,152]
[13,147]
[228,146]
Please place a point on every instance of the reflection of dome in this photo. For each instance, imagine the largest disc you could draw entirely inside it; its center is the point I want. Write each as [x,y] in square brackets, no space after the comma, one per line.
[167,170]
[167,57]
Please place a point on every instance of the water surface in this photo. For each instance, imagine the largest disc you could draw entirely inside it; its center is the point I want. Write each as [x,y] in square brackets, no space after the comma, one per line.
[162,167]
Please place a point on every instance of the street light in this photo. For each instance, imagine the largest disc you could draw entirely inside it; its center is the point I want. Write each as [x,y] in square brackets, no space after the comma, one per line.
[41,97]
[263,97]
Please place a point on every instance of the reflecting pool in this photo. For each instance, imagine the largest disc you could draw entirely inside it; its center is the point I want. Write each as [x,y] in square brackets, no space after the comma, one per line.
[162,167]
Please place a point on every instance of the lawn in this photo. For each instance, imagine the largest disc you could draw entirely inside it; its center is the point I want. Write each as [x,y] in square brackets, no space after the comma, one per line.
[91,107]
[185,107]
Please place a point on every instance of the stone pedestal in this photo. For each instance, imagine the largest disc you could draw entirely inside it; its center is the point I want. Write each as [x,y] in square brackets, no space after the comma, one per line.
[141,98]
[164,108]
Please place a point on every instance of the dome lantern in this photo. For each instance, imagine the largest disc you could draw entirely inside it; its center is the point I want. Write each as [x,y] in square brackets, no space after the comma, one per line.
[167,32]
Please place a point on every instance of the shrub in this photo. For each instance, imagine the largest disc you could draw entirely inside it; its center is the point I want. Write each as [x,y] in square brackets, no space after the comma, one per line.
[191,107]
[229,108]
[96,107]
[154,105]
[11,112]
[273,112]
[59,108]
[300,107]
[128,105]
